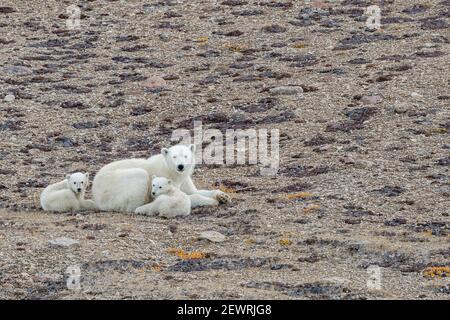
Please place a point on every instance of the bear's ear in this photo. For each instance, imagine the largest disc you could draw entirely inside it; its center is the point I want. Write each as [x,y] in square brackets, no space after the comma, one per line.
[192,148]
[164,151]
[153,177]
[87,175]
[169,181]
[68,176]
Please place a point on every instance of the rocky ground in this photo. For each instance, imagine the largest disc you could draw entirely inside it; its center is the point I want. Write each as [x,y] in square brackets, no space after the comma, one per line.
[364,124]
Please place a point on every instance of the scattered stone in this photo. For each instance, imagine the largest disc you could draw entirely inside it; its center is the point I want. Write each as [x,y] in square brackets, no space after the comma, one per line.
[395,222]
[73,105]
[360,115]
[155,82]
[9,98]
[173,228]
[371,99]
[390,191]
[416,95]
[319,140]
[286,90]
[275,28]
[444,161]
[212,236]
[17,70]
[63,242]
[7,10]
[417,8]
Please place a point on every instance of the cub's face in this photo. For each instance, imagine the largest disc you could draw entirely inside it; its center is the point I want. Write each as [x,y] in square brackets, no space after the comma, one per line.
[160,186]
[78,182]
[180,158]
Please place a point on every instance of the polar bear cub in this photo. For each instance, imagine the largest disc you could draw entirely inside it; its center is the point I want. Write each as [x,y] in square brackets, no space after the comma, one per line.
[67,195]
[169,200]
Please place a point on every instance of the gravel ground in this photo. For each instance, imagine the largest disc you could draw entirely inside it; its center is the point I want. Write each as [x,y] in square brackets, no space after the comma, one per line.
[363,186]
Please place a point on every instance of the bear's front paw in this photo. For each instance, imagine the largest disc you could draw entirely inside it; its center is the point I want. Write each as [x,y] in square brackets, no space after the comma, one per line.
[222,197]
[140,210]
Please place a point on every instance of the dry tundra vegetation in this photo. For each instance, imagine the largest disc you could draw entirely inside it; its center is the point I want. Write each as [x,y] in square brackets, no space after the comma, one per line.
[364,124]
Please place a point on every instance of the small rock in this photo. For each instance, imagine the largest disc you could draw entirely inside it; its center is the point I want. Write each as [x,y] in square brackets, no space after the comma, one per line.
[286,90]
[275,28]
[416,95]
[173,228]
[17,70]
[348,160]
[9,98]
[400,109]
[155,82]
[212,236]
[63,242]
[371,99]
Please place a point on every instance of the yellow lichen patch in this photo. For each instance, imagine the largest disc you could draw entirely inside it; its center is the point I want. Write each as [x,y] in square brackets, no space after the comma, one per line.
[156,267]
[201,40]
[249,242]
[180,253]
[299,46]
[235,47]
[285,242]
[428,233]
[227,190]
[299,195]
[436,272]
[438,131]
[311,208]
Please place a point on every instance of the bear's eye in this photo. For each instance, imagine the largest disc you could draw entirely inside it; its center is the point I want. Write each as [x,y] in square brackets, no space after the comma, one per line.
[74,183]
[160,187]
[174,157]
[82,182]
[153,185]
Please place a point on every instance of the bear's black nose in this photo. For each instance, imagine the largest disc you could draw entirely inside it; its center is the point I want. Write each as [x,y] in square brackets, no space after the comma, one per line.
[180,167]
[79,189]
[153,193]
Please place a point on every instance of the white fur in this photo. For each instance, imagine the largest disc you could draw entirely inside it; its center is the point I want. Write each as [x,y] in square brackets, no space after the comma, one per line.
[124,185]
[169,200]
[67,195]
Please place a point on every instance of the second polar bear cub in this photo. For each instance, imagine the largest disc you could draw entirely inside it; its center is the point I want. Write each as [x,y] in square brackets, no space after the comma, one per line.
[67,195]
[169,200]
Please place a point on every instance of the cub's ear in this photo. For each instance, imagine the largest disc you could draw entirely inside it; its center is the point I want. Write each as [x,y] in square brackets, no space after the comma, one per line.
[169,181]
[153,177]
[87,175]
[192,148]
[164,151]
[68,176]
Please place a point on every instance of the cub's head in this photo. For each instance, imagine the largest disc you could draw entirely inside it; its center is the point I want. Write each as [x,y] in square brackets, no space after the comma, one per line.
[180,158]
[160,185]
[78,182]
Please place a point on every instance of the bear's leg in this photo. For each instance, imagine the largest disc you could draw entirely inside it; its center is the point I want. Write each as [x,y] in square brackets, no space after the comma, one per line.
[62,201]
[150,209]
[197,200]
[189,188]
[87,204]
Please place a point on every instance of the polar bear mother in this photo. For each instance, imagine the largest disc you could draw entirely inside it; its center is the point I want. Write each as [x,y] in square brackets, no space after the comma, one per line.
[125,185]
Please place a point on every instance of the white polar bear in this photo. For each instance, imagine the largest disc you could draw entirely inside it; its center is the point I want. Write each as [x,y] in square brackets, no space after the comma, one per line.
[124,185]
[169,200]
[67,195]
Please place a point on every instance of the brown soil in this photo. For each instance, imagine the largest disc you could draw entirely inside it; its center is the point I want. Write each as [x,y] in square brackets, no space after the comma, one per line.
[374,171]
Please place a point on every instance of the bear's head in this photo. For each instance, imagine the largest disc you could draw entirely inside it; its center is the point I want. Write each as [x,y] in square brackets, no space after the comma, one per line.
[78,182]
[160,185]
[180,158]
